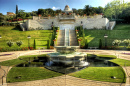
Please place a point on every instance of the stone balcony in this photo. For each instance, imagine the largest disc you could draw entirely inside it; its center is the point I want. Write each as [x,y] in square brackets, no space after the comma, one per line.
[66,17]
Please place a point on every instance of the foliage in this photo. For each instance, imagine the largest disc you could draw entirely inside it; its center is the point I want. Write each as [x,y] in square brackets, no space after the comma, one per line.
[48,44]
[22,14]
[16,11]
[86,44]
[117,9]
[19,43]
[127,42]
[116,42]
[100,43]
[34,46]
[10,43]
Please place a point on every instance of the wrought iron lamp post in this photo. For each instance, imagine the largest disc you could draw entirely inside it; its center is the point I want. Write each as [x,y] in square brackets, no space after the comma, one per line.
[29,41]
[105,36]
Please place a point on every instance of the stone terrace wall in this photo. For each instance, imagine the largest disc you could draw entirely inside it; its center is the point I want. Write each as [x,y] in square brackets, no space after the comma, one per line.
[42,24]
[112,25]
[96,22]
[89,22]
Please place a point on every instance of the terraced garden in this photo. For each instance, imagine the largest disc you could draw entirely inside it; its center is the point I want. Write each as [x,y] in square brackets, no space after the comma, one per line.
[12,33]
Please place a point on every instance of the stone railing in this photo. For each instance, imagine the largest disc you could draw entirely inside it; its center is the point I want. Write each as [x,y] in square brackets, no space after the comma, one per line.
[112,25]
[22,25]
[66,17]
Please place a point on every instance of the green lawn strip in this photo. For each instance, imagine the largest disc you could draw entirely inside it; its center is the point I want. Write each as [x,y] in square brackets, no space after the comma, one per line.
[21,59]
[102,56]
[101,74]
[12,62]
[122,27]
[121,62]
[107,56]
[29,74]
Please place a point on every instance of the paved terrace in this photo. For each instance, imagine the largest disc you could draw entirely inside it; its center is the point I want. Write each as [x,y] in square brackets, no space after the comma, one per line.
[64,80]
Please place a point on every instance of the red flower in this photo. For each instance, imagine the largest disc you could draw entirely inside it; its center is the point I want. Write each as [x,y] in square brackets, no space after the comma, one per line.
[39,15]
[77,30]
[79,40]
[54,40]
[56,30]
[51,47]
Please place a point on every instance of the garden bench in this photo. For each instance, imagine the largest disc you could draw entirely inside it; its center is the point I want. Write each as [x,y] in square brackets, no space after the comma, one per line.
[92,47]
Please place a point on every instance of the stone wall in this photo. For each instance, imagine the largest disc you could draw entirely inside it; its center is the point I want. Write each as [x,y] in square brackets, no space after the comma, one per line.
[112,25]
[42,24]
[96,22]
[89,22]
[22,26]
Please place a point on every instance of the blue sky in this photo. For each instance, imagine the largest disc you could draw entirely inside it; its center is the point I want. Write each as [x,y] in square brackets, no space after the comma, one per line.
[34,5]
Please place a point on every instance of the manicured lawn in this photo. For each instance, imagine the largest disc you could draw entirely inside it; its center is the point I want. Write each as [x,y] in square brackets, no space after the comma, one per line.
[120,32]
[121,62]
[15,34]
[21,59]
[122,27]
[101,56]
[29,74]
[107,56]
[101,74]
[12,62]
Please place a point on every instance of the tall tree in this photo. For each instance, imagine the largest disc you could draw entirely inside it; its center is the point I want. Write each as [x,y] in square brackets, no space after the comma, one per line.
[16,11]
[22,14]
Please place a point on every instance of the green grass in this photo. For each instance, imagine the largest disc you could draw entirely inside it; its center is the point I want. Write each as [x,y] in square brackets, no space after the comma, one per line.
[102,56]
[120,32]
[30,73]
[15,34]
[101,74]
[121,62]
[21,59]
[107,56]
[122,27]
[11,62]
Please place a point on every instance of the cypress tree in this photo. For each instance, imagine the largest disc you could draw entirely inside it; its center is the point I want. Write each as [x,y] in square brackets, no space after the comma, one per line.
[48,44]
[34,44]
[100,44]
[16,11]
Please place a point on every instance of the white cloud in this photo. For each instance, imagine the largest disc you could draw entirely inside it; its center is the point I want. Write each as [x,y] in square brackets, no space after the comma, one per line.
[55,8]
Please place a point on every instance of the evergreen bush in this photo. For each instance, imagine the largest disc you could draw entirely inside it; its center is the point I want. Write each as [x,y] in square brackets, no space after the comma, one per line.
[100,43]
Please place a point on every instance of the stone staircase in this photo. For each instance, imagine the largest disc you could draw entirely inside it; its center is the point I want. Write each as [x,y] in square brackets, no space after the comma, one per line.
[61,38]
[73,39]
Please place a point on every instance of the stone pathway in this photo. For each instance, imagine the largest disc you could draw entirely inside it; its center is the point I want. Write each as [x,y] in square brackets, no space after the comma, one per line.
[62,80]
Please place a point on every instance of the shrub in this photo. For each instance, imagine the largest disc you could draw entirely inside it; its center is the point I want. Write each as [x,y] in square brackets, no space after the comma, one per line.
[48,44]
[34,44]
[126,42]
[10,43]
[116,42]
[100,44]
[86,44]
[19,43]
